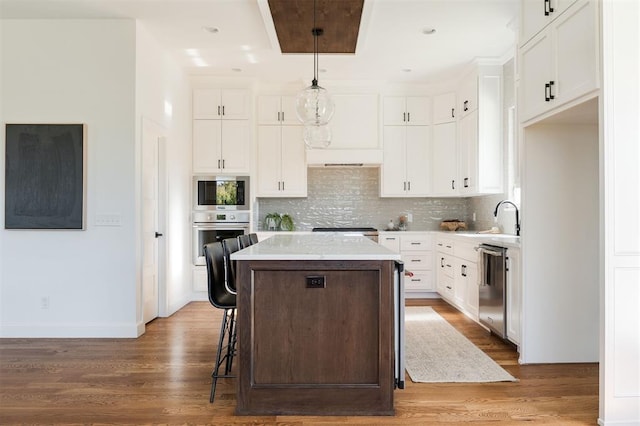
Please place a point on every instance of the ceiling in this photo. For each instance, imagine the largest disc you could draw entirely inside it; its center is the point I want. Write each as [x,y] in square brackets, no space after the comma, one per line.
[238,37]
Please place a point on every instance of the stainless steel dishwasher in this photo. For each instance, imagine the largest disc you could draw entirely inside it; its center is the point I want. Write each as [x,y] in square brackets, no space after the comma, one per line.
[492,294]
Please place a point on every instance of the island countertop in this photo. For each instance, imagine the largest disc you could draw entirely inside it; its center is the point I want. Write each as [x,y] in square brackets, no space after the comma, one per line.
[316,246]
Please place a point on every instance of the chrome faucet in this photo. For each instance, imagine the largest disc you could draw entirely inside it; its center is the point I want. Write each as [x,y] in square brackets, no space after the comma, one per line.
[495,214]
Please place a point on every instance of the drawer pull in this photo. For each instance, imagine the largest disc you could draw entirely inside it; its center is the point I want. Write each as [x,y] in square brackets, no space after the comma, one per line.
[416,260]
[415,280]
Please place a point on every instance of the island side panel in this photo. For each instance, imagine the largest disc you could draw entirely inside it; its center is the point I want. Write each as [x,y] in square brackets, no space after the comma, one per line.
[315,350]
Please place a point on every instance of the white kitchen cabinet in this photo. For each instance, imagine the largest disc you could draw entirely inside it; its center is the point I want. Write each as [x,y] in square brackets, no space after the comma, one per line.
[444,108]
[282,169]
[405,169]
[409,110]
[276,110]
[416,250]
[221,104]
[480,145]
[514,296]
[457,276]
[444,160]
[560,64]
[468,94]
[537,14]
[221,146]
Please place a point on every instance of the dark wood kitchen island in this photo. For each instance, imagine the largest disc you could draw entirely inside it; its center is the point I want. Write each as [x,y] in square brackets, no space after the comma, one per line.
[315,326]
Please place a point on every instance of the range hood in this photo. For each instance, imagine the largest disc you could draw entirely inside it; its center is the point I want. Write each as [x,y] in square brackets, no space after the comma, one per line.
[344,157]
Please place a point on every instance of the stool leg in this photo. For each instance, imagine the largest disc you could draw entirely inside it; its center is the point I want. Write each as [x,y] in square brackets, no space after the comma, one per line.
[216,369]
[231,343]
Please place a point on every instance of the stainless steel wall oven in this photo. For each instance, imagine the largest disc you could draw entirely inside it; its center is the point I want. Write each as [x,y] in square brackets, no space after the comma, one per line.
[209,227]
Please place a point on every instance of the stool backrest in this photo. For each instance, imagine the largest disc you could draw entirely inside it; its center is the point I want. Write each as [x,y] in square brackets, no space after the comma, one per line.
[219,296]
[230,245]
[244,241]
[253,237]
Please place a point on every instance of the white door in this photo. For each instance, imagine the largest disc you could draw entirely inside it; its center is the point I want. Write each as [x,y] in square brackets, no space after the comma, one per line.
[151,135]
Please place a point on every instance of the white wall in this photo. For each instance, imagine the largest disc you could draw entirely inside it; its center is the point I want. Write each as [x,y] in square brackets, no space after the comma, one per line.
[560,243]
[74,71]
[163,95]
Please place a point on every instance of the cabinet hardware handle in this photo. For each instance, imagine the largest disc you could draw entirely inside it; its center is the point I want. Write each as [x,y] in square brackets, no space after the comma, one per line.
[416,260]
[218,163]
[440,244]
[449,287]
[442,262]
[223,163]
[390,238]
[453,115]
[506,263]
[415,280]
[547,4]
[278,185]
[448,266]
[547,90]
[222,109]
[551,83]
[404,185]
[453,184]
[404,117]
[466,182]
[158,234]
[415,243]
[409,186]
[218,109]
[279,116]
[408,116]
[283,185]
[282,115]
[466,106]
[463,270]
[448,246]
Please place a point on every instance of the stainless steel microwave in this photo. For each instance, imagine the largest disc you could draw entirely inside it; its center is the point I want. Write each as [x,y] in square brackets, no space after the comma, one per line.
[221,193]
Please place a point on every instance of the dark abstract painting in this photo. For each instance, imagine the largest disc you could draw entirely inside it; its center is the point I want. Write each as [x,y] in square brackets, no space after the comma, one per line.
[44,176]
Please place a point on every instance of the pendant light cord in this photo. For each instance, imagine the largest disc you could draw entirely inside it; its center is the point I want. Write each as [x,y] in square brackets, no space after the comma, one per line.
[315,46]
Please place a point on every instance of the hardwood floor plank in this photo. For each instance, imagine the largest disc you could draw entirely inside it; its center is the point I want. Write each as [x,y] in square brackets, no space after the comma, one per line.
[164,377]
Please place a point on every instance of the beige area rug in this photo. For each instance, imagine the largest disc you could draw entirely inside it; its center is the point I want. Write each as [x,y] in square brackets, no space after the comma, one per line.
[437,352]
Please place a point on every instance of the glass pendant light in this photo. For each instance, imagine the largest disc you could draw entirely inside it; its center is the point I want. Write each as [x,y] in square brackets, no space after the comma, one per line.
[317,135]
[314,106]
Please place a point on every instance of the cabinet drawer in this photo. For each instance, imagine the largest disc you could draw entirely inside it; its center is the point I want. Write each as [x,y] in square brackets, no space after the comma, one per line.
[419,281]
[413,243]
[444,265]
[445,287]
[418,261]
[445,245]
[392,242]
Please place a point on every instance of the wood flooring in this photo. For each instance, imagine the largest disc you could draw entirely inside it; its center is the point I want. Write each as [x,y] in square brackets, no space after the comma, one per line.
[163,377]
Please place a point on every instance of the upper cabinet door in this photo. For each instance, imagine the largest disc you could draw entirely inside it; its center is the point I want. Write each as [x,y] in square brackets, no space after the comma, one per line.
[418,144]
[276,109]
[235,147]
[269,110]
[355,123]
[288,111]
[537,14]
[468,94]
[444,108]
[537,73]
[395,110]
[235,104]
[218,104]
[206,104]
[207,156]
[418,110]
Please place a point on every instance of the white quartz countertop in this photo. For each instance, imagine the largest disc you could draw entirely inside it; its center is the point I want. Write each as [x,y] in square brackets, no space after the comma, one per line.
[316,246]
[502,240]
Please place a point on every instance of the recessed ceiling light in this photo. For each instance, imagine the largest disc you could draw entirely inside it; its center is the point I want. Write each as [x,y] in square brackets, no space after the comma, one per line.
[428,30]
[212,30]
